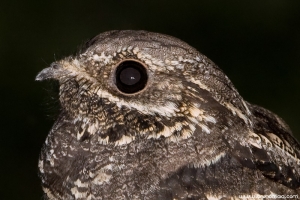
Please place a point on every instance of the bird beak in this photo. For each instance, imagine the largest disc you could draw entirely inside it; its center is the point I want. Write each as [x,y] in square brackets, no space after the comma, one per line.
[48,73]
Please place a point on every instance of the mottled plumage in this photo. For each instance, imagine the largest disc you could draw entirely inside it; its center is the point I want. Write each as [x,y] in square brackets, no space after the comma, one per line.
[146,116]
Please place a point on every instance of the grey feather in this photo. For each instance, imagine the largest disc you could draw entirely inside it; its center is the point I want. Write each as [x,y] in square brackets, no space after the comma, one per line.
[183,133]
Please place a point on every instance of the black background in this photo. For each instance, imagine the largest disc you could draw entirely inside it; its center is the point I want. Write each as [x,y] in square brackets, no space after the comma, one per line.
[256,43]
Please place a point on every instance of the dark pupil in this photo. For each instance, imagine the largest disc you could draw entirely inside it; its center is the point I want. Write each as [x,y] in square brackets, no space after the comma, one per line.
[131,77]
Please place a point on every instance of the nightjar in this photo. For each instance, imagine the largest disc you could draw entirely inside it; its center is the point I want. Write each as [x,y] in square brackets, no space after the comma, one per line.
[146,116]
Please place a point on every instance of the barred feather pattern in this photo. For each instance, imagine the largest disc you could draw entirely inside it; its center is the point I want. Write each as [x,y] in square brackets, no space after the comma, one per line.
[188,134]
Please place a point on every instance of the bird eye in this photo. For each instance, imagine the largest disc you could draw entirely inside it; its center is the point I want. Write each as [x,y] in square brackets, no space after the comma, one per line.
[131,77]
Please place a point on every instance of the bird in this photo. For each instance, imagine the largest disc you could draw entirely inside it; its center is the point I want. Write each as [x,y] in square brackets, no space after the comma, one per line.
[144,115]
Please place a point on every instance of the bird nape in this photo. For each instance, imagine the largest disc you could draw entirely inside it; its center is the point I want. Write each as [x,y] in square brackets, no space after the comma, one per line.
[146,116]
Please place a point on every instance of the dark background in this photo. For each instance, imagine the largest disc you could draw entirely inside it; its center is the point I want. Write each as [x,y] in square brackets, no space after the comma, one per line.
[256,43]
